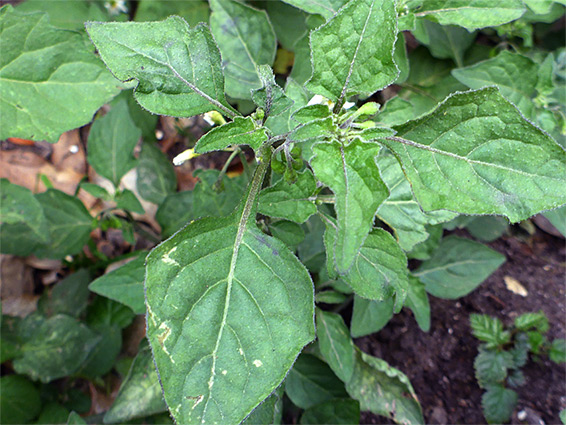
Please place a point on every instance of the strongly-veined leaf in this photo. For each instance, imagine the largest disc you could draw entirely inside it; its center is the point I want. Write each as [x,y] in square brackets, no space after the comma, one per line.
[270,97]
[417,302]
[312,132]
[124,284]
[488,329]
[379,270]
[515,75]
[178,68]
[401,211]
[246,39]
[156,176]
[111,143]
[476,154]
[353,52]
[68,221]
[498,404]
[241,131]
[471,14]
[326,8]
[491,366]
[289,201]
[23,226]
[458,267]
[20,401]
[527,321]
[229,310]
[311,381]
[351,173]
[338,411]
[57,348]
[140,394]
[193,11]
[44,68]
[370,316]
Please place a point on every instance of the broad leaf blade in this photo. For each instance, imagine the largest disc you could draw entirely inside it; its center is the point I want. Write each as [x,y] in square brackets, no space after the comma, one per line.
[44,68]
[353,52]
[338,411]
[246,39]
[359,191]
[156,176]
[229,310]
[458,267]
[370,316]
[241,131]
[476,154]
[326,8]
[165,58]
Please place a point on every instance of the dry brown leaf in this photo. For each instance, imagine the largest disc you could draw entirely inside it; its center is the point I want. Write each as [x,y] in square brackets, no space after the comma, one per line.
[515,286]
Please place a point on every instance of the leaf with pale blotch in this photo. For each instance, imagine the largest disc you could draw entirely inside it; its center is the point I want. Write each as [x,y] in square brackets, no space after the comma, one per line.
[229,310]
[241,131]
[47,69]
[476,154]
[353,52]
[458,267]
[471,14]
[326,8]
[246,39]
[178,68]
[352,174]
[289,201]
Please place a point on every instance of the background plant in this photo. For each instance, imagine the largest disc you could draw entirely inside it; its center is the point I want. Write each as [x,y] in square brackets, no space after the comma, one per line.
[229,303]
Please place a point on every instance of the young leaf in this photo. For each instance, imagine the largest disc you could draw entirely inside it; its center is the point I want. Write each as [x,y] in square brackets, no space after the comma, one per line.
[528,321]
[488,329]
[111,143]
[458,267]
[283,123]
[471,14]
[359,191]
[156,176]
[498,404]
[491,366]
[289,201]
[46,69]
[417,302]
[140,393]
[476,154]
[246,39]
[165,58]
[557,352]
[241,131]
[124,284]
[311,381]
[20,401]
[245,297]
[127,200]
[270,97]
[370,316]
[383,390]
[326,8]
[353,52]
[339,411]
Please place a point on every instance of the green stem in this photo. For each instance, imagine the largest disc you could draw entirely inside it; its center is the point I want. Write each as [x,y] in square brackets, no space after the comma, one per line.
[226,165]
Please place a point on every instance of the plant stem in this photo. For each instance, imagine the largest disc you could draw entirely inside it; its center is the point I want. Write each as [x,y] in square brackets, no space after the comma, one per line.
[226,165]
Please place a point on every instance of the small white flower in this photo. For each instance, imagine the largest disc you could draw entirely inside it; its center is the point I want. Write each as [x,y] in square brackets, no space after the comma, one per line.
[317,99]
[115,7]
[184,156]
[348,105]
[214,118]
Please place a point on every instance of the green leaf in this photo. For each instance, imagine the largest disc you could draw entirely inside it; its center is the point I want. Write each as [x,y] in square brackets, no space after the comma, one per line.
[528,321]
[53,413]
[401,59]
[557,352]
[245,295]
[241,131]
[326,8]
[289,23]
[246,39]
[75,419]
[165,58]
[57,348]
[291,234]
[311,381]
[193,11]
[23,226]
[68,221]
[359,191]
[476,154]
[311,251]
[471,14]
[67,14]
[111,143]
[44,68]
[70,296]
[282,123]
[498,404]
[269,412]
[104,311]
[338,411]
[383,390]
[370,316]
[10,341]
[330,297]
[487,228]
[124,284]
[127,200]
[140,393]
[270,97]
[353,52]
[515,75]
[458,267]
[401,211]
[424,250]
[96,191]
[287,201]
[20,401]
[491,366]
[179,208]
[417,302]
[562,415]
[379,270]
[557,218]
[488,329]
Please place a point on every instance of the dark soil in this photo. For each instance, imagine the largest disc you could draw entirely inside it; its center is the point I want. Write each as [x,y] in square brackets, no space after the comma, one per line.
[440,363]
